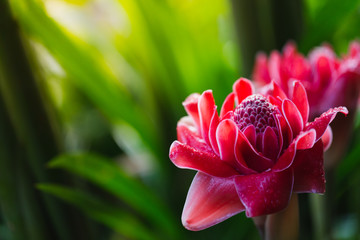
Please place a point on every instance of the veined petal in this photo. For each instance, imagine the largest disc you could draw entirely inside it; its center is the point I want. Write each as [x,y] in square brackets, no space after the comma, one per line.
[226,135]
[248,157]
[265,193]
[184,156]
[210,200]
[187,133]
[309,175]
[206,106]
[242,88]
[191,107]
[292,116]
[320,124]
[303,141]
[228,104]
[327,138]
[301,101]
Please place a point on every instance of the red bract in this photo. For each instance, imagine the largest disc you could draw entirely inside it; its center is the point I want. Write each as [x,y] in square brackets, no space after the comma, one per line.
[328,80]
[253,156]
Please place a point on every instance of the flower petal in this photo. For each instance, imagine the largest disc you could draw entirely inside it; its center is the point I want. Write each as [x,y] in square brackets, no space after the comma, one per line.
[300,99]
[306,140]
[212,131]
[286,135]
[270,144]
[323,61]
[250,134]
[354,49]
[184,156]
[228,105]
[247,156]
[191,107]
[320,124]
[274,66]
[210,200]
[303,141]
[187,133]
[275,101]
[309,175]
[226,135]
[265,193]
[242,88]
[327,138]
[277,91]
[261,72]
[292,116]
[206,105]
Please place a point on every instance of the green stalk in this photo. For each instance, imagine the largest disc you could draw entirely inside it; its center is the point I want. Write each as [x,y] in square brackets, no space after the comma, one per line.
[318,213]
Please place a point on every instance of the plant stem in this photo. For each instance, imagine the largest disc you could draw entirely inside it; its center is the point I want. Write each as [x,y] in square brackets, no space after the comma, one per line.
[318,206]
[260,225]
[285,224]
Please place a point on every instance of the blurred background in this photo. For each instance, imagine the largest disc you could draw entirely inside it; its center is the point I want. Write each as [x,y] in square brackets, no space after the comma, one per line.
[90,94]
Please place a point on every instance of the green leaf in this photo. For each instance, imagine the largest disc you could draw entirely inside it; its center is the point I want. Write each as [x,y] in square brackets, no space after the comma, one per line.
[326,21]
[112,216]
[87,69]
[107,175]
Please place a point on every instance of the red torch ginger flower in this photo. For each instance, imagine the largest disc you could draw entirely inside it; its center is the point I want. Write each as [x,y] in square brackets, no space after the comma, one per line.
[253,156]
[328,80]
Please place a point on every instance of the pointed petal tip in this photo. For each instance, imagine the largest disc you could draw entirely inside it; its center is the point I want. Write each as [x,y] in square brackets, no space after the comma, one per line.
[299,97]
[228,105]
[321,123]
[190,225]
[242,88]
[172,150]
[344,111]
[191,99]
[210,200]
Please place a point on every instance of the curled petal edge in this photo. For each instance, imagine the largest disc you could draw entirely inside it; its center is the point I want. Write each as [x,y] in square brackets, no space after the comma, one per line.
[321,123]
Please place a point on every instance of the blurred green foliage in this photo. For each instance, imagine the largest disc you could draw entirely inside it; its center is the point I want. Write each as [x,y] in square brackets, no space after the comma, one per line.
[117,72]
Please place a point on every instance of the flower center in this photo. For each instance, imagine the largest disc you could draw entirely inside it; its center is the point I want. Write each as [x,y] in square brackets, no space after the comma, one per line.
[257,111]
